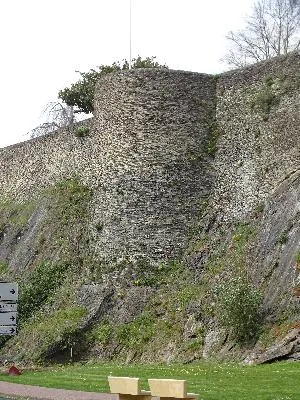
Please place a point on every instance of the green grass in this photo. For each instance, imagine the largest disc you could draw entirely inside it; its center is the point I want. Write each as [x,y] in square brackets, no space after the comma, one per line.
[277,381]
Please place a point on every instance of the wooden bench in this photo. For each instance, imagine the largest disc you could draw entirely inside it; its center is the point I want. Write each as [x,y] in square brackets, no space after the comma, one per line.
[168,389]
[128,388]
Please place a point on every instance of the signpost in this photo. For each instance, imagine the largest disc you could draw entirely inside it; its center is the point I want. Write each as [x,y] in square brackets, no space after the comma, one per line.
[8,330]
[8,291]
[4,307]
[8,318]
[8,308]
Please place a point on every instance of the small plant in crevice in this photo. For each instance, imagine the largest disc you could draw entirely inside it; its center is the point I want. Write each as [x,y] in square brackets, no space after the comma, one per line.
[99,226]
[265,98]
[260,207]
[269,81]
[82,131]
[283,238]
[3,267]
[213,135]
[210,121]
[298,260]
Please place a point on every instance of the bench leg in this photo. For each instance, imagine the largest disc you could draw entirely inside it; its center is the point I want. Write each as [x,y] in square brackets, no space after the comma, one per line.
[176,398]
[134,397]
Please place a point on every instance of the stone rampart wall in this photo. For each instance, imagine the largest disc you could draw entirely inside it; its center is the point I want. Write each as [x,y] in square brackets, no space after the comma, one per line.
[258,114]
[146,156]
[145,159]
[154,129]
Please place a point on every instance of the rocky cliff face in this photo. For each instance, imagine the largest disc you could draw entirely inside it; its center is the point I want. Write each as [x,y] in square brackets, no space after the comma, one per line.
[170,229]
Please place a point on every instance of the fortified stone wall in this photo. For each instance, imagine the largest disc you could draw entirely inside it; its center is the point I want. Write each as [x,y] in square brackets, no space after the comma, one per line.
[258,114]
[154,130]
[148,155]
[145,159]
[29,167]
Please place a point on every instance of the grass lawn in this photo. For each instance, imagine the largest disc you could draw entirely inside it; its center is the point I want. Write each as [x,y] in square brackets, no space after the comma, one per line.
[277,381]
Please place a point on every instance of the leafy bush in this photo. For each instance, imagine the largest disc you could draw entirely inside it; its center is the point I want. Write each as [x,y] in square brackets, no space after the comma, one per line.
[101,333]
[41,284]
[50,332]
[238,308]
[81,93]
[137,332]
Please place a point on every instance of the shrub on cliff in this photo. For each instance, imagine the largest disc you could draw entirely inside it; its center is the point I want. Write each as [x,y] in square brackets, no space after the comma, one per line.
[238,308]
[81,93]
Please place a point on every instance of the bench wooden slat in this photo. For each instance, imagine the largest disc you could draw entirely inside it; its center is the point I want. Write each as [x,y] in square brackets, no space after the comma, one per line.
[124,385]
[170,388]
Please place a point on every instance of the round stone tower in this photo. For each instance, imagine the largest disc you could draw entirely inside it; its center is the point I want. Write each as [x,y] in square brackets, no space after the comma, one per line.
[153,126]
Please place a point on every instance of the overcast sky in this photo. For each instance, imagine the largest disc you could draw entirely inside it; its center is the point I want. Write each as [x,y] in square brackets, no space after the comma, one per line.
[43,43]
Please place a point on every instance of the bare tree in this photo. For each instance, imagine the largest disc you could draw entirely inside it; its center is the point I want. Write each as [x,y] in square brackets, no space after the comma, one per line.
[57,116]
[271,30]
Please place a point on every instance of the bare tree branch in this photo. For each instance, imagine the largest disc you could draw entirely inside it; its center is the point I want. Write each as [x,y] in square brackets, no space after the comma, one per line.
[272,29]
[58,116]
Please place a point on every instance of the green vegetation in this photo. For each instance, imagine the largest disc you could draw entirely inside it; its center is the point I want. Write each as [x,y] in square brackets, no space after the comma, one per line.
[225,292]
[81,93]
[14,214]
[277,332]
[238,308]
[265,98]
[283,238]
[82,131]
[137,333]
[213,139]
[213,133]
[298,259]
[231,251]
[40,286]
[101,333]
[68,212]
[71,198]
[3,267]
[277,381]
[289,83]
[48,331]
[238,301]
[269,94]
[49,315]
[158,275]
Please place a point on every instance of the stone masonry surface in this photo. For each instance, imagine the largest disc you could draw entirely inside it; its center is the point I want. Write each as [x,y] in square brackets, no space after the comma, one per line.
[146,157]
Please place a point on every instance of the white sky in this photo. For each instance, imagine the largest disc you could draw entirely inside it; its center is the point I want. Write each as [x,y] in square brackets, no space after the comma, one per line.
[43,43]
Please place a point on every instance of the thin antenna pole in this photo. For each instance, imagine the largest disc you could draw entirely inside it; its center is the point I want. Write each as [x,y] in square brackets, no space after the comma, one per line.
[130,58]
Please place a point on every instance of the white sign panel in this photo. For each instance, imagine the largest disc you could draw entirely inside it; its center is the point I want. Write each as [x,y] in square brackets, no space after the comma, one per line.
[5,307]
[8,291]
[8,330]
[8,318]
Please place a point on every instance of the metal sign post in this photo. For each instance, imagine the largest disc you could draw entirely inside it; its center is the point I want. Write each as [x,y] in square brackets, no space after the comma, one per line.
[8,308]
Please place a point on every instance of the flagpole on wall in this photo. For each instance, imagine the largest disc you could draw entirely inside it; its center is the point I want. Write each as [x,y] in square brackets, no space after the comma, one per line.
[130,9]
